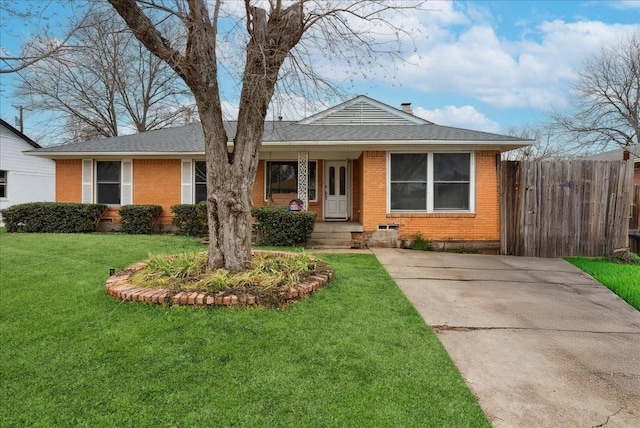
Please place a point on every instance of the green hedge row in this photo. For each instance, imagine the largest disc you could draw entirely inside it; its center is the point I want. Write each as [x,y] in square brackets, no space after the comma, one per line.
[139,219]
[275,225]
[53,217]
[278,227]
[190,220]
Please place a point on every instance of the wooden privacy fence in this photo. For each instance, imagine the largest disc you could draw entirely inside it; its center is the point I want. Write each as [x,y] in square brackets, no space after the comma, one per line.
[635,210]
[565,208]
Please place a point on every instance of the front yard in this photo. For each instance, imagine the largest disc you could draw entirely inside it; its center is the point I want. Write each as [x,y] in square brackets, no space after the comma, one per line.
[355,353]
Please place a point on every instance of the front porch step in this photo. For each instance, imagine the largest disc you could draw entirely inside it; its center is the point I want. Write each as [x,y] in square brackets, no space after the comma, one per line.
[327,235]
[337,226]
[329,243]
[332,235]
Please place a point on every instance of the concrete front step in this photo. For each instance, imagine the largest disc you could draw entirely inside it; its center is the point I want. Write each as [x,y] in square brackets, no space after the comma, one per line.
[331,235]
[329,243]
[328,247]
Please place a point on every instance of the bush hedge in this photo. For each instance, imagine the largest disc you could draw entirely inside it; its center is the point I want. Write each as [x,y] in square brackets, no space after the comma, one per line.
[139,219]
[53,217]
[190,220]
[278,227]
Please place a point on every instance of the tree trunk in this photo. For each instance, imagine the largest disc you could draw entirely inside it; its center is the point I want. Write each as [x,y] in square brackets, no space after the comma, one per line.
[229,191]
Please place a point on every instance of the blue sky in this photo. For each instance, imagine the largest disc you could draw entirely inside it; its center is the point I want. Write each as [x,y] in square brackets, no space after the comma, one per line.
[484,65]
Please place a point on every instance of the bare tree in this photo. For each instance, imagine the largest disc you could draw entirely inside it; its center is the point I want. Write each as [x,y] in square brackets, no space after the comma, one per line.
[607,98]
[39,16]
[106,82]
[272,31]
[546,144]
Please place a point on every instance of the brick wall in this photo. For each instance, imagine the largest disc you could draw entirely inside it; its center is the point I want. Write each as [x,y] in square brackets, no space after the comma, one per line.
[69,180]
[483,224]
[157,182]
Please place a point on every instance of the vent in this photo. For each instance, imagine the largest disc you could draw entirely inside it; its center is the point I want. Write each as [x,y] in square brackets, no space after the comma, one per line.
[388,226]
[362,113]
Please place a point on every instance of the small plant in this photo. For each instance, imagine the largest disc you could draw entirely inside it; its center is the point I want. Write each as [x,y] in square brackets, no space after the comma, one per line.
[266,272]
[419,243]
[466,250]
[626,258]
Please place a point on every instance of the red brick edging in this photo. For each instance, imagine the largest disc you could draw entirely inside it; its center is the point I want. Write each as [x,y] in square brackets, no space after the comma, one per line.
[119,287]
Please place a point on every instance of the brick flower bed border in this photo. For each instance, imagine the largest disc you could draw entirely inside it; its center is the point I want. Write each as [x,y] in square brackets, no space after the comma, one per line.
[119,287]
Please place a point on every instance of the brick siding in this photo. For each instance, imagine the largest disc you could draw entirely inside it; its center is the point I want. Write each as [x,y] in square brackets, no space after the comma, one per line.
[157,181]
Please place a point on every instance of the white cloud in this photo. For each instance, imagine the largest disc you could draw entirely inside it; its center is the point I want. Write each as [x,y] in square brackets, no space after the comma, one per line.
[525,73]
[626,4]
[460,117]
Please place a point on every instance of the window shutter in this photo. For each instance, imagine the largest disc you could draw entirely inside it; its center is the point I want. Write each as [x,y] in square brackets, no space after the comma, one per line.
[187,182]
[87,181]
[127,183]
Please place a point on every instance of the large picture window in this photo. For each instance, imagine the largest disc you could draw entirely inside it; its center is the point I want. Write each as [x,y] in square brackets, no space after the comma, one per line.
[282,177]
[108,182]
[430,182]
[3,183]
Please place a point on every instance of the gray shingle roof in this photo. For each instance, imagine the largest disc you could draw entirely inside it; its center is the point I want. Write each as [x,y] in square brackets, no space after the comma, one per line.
[189,138]
[616,154]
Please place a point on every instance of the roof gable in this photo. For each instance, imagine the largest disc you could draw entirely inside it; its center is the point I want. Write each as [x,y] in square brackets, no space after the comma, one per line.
[19,134]
[363,110]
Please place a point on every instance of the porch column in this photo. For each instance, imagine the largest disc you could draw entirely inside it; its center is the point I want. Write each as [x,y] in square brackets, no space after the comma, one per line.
[303,179]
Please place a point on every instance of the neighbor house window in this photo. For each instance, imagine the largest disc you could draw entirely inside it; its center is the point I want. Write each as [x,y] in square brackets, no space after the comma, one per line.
[108,182]
[430,181]
[282,177]
[201,181]
[3,183]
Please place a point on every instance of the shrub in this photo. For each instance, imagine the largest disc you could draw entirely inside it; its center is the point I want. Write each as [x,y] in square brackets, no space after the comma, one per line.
[418,242]
[139,219]
[53,217]
[282,228]
[190,220]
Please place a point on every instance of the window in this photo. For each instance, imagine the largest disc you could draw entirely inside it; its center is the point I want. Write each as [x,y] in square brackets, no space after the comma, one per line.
[430,181]
[201,181]
[282,177]
[409,181]
[451,179]
[108,182]
[3,183]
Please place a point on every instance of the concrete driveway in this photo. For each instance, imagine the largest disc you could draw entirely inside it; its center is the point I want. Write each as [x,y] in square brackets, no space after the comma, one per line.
[540,343]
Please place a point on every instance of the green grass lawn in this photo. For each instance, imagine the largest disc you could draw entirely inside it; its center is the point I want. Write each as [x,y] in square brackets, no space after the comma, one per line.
[355,353]
[622,279]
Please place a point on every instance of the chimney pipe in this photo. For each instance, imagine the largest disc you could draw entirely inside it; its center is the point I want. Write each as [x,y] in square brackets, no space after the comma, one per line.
[406,107]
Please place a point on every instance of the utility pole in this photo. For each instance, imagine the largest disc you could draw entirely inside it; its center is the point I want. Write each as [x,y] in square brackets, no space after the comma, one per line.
[20,119]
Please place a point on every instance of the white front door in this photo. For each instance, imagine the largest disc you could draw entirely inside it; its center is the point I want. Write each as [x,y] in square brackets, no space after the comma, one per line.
[336,200]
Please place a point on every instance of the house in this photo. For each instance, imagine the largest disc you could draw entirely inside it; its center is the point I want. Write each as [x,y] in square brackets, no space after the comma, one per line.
[631,153]
[23,178]
[382,171]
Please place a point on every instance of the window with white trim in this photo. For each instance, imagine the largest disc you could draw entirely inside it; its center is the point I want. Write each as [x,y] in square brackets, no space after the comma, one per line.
[108,182]
[282,177]
[200,181]
[430,182]
[4,175]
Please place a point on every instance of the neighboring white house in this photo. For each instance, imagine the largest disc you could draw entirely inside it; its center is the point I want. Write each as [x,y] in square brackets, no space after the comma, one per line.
[23,178]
